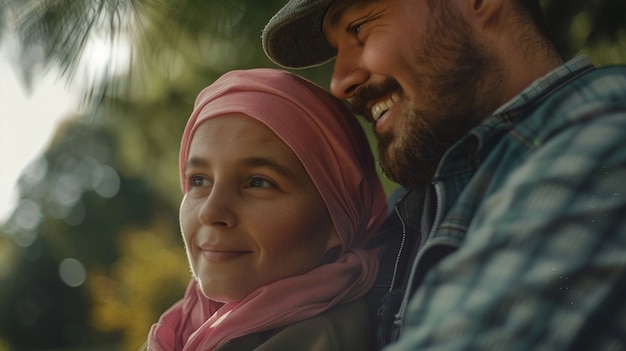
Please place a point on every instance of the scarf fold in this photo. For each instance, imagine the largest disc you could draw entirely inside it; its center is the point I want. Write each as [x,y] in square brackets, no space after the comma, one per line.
[332,147]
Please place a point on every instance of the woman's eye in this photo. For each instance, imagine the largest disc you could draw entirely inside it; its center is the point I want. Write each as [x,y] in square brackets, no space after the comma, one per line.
[198,181]
[260,182]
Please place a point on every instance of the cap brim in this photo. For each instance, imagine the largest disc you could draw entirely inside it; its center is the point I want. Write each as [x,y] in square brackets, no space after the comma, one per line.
[293,38]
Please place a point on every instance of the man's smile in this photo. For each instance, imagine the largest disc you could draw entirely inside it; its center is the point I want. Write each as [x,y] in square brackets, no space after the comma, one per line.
[379,108]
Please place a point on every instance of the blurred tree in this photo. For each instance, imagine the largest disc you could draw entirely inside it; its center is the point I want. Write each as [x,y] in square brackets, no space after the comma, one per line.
[59,32]
[74,212]
[92,254]
[597,27]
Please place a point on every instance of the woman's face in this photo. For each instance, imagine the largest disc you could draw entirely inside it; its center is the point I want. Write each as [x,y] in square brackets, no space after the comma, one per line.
[250,215]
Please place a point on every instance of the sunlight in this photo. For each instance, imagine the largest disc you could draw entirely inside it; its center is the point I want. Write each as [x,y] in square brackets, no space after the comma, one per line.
[103,58]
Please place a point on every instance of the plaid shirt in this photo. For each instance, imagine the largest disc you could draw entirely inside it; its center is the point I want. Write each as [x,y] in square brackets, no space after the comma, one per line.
[530,211]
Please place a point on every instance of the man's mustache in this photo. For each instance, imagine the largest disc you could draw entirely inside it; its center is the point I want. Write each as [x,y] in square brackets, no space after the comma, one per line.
[371,92]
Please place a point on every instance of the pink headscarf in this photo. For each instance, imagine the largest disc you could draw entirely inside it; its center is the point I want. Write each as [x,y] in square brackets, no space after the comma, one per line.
[333,149]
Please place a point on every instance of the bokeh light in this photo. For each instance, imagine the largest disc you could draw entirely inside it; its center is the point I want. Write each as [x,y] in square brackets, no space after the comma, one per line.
[72,272]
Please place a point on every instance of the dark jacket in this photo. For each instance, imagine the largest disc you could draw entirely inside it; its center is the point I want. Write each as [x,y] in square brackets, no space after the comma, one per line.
[342,328]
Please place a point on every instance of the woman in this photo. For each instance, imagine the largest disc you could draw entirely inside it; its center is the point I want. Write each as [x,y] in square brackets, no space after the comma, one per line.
[280,196]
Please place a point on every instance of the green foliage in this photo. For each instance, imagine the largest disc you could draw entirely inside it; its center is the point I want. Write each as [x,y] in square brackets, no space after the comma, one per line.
[597,27]
[106,192]
[74,210]
[150,273]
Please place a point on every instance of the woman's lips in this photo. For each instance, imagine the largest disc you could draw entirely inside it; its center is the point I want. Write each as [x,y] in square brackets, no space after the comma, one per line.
[220,256]
[217,253]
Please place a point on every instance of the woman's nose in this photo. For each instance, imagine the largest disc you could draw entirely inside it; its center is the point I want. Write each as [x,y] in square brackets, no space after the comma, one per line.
[218,209]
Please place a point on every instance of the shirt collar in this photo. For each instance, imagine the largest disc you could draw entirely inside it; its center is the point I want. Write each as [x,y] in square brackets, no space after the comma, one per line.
[540,85]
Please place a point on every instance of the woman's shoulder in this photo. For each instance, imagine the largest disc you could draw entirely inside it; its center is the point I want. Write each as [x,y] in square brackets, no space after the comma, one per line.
[342,328]
[341,322]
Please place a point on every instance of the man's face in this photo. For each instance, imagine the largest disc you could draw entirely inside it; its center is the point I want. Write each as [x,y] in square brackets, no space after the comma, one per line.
[416,72]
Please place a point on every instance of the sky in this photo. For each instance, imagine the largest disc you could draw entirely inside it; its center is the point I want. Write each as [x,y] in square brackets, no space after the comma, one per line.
[28,120]
[27,123]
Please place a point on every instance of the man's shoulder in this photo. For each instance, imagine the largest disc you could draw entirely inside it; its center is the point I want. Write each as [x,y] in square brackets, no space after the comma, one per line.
[600,83]
[585,99]
[612,70]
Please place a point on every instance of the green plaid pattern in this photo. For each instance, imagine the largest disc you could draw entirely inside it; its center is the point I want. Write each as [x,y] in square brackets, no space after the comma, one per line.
[534,199]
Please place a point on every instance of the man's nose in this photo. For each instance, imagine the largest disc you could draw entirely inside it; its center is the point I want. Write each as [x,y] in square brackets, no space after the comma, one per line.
[348,74]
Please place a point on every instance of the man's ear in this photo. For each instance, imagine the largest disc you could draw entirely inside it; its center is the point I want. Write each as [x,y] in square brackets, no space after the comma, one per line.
[484,12]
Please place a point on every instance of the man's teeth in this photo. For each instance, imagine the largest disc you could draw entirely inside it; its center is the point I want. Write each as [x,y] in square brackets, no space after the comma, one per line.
[379,108]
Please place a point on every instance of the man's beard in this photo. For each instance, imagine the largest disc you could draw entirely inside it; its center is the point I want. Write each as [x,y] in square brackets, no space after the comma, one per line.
[459,83]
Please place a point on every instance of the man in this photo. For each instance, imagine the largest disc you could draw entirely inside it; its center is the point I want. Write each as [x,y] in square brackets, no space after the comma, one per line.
[513,230]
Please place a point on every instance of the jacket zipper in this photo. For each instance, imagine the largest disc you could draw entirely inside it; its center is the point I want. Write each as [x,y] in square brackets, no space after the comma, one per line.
[424,245]
[395,266]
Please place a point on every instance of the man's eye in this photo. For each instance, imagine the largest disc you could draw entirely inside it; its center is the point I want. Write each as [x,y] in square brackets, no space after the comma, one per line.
[356,28]
[260,182]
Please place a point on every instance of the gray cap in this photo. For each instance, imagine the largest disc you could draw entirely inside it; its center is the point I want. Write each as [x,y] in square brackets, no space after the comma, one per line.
[293,38]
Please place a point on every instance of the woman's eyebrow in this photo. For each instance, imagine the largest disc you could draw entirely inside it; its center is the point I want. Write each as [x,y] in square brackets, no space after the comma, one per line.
[196,162]
[266,162]
[247,162]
